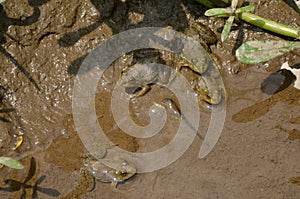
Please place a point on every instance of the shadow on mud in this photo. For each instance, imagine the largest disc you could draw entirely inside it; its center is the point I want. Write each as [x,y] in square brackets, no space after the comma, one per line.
[14,185]
[116,15]
[6,21]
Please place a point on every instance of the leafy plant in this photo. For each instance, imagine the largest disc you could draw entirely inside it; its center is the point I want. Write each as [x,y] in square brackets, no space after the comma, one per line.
[230,12]
[253,52]
[244,14]
[10,162]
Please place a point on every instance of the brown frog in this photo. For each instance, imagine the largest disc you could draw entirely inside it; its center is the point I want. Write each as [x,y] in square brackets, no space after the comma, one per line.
[123,170]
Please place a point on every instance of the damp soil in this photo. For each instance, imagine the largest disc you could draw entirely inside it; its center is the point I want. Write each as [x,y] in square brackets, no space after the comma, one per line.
[43,43]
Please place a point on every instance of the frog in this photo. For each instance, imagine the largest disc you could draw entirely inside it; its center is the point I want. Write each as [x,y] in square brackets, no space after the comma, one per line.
[123,171]
[211,96]
[201,33]
[143,74]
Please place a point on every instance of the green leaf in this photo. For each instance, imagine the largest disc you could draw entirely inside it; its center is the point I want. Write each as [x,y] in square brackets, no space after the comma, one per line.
[223,15]
[217,11]
[226,29]
[245,9]
[253,52]
[15,164]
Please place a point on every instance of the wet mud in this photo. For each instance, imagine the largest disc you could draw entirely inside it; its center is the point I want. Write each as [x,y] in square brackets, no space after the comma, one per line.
[43,44]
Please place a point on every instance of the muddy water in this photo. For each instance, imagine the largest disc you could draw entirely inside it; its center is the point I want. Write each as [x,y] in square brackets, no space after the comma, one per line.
[42,46]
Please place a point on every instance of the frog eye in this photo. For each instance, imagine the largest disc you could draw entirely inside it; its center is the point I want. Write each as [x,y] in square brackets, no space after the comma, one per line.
[122,173]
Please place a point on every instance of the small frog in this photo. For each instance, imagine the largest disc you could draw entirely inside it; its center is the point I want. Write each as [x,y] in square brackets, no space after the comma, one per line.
[202,33]
[124,170]
[143,75]
[145,72]
[213,96]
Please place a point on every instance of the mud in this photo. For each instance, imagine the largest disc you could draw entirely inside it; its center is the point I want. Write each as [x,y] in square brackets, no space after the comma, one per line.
[42,46]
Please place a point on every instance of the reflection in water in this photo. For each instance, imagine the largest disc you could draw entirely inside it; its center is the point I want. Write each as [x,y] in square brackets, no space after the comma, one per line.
[14,185]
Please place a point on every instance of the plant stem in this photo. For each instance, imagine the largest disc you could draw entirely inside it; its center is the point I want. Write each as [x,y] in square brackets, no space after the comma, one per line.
[272,26]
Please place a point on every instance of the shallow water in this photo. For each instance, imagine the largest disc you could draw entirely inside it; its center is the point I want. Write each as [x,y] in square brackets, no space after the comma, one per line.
[257,155]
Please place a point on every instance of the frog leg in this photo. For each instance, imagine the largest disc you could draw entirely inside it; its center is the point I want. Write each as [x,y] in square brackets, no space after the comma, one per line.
[215,93]
[114,187]
[143,91]
[212,96]
[180,65]
[194,68]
